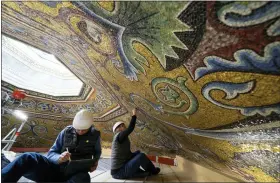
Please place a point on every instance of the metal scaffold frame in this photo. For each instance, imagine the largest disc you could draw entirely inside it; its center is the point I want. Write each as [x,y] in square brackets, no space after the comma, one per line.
[11,137]
[13,134]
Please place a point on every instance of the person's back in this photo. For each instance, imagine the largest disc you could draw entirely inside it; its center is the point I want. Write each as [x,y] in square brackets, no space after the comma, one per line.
[121,152]
[126,164]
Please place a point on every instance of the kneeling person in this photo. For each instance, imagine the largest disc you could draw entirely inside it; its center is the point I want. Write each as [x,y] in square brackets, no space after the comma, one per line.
[80,141]
[126,164]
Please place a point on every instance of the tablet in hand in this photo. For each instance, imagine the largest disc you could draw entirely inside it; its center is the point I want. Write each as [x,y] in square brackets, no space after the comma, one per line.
[76,166]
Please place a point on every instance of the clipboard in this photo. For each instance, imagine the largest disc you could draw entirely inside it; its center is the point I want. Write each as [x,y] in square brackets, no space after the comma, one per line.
[75,166]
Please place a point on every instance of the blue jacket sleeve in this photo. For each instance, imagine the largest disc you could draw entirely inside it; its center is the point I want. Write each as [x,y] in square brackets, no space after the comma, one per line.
[98,148]
[55,150]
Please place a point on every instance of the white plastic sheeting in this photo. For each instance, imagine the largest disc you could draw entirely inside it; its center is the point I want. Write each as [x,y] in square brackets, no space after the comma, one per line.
[29,68]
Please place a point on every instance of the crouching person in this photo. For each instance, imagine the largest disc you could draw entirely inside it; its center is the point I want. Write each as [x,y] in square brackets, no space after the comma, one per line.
[77,141]
[126,164]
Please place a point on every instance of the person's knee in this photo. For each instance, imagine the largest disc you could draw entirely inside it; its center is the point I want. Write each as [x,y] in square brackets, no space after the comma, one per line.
[29,157]
[142,155]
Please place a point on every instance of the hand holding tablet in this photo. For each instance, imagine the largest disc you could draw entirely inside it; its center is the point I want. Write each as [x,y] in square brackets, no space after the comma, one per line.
[83,165]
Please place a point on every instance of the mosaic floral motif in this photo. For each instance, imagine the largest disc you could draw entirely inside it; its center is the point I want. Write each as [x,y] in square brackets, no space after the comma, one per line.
[148,23]
[245,61]
[167,93]
[169,97]
[200,67]
[36,132]
[243,14]
[83,94]
[43,106]
[37,129]
[61,50]
[55,108]
[232,90]
[101,102]
[29,104]
[274,30]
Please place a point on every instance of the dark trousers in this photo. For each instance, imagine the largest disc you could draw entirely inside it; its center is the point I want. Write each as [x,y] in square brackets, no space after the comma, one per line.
[38,168]
[4,161]
[132,168]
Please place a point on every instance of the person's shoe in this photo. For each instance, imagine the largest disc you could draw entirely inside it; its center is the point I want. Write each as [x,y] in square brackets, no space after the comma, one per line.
[156,171]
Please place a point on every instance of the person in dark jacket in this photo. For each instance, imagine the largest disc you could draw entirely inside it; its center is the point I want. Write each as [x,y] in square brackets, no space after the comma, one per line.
[124,163]
[78,141]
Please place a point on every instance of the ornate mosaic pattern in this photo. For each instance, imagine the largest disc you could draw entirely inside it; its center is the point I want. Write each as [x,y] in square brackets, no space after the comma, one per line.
[36,132]
[100,102]
[86,89]
[195,70]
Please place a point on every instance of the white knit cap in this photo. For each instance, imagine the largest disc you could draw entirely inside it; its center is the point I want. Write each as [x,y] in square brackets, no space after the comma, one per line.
[116,125]
[83,120]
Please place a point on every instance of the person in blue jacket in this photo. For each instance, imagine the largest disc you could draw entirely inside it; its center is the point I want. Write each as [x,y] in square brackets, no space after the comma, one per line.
[78,141]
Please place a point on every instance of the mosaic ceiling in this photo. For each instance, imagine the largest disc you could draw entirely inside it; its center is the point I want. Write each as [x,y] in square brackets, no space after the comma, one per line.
[205,76]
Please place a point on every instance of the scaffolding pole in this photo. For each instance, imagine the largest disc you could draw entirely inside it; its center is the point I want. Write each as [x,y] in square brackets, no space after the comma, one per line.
[14,134]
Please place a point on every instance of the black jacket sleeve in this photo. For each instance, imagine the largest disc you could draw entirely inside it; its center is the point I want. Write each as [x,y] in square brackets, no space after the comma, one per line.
[124,134]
